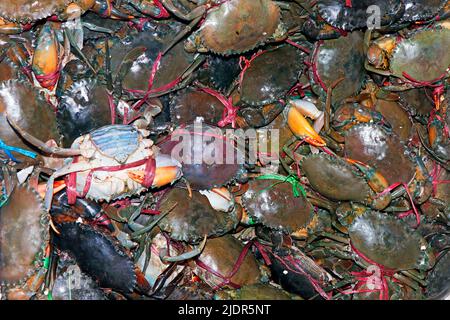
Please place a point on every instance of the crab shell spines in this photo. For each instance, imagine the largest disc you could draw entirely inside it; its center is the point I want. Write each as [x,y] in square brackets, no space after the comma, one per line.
[421,10]
[26,11]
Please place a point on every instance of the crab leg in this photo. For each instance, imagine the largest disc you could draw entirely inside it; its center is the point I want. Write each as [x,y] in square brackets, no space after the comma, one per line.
[194,14]
[77,49]
[182,34]
[188,255]
[9,179]
[328,104]
[95,28]
[63,152]
[162,278]
[153,224]
[70,168]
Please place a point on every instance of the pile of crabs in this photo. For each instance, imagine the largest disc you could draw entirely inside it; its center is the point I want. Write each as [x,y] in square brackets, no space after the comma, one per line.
[349,198]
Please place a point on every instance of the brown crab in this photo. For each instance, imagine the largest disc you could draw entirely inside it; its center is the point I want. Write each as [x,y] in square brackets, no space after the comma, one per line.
[26,106]
[232,26]
[24,239]
[195,216]
[390,56]
[18,16]
[225,262]
[371,144]
[274,204]
[341,180]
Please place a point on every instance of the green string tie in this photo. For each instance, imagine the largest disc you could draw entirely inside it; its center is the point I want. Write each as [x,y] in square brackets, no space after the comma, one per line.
[293,180]
[3,199]
[46,262]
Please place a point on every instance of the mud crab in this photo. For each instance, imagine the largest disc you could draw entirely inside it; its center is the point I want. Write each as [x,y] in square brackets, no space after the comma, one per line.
[195,217]
[331,61]
[386,243]
[411,252]
[328,174]
[192,146]
[355,16]
[391,56]
[192,103]
[257,90]
[386,154]
[134,76]
[278,203]
[225,262]
[25,105]
[230,27]
[84,107]
[109,263]
[24,238]
[22,14]
[99,170]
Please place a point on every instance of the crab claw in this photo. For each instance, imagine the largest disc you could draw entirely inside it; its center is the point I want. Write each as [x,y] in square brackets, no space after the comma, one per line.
[302,129]
[220,199]
[188,255]
[375,179]
[377,182]
[57,186]
[105,9]
[167,171]
[46,58]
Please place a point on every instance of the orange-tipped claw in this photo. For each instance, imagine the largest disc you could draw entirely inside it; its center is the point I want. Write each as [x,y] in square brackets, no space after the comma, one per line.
[46,58]
[163,175]
[375,179]
[302,129]
[57,187]
[432,134]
